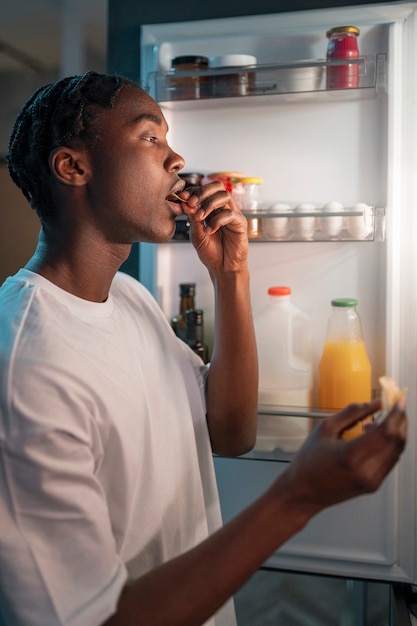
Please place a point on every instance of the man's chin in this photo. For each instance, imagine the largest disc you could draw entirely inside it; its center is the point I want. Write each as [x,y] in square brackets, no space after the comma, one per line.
[157,237]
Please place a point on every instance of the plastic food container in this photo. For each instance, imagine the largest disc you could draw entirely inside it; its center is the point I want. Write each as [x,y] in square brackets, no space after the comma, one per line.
[298,79]
[232,83]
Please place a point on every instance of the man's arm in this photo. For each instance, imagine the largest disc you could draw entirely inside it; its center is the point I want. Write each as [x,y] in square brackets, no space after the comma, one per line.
[219,234]
[327,470]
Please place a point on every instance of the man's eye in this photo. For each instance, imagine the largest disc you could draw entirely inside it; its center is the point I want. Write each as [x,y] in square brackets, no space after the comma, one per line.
[150,138]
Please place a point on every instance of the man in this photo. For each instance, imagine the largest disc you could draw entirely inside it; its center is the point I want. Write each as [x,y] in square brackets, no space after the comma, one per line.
[108,500]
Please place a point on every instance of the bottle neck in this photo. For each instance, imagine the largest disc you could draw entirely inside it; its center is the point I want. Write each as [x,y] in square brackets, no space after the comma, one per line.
[344,325]
[186,302]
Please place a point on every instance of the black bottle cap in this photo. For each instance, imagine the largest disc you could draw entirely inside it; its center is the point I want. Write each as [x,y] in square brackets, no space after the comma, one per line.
[187,289]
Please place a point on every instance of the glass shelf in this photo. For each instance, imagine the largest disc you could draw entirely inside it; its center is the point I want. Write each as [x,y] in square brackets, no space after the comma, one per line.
[283,430]
[366,225]
[299,80]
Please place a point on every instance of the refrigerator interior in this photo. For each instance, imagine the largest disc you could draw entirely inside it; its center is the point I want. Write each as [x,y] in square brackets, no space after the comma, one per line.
[319,146]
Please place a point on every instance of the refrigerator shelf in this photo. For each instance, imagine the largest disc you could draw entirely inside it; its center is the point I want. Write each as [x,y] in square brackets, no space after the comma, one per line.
[295,81]
[367,225]
[282,431]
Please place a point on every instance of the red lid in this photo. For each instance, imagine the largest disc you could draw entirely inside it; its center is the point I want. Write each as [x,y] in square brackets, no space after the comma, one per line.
[279,291]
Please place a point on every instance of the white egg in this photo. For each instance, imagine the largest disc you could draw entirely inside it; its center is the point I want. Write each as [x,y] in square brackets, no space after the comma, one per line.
[276,227]
[359,226]
[304,227]
[332,225]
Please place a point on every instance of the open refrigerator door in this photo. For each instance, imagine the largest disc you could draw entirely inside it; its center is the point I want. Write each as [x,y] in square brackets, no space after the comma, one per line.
[315,145]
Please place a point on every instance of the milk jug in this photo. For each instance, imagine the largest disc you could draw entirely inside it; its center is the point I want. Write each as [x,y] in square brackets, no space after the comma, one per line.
[284,341]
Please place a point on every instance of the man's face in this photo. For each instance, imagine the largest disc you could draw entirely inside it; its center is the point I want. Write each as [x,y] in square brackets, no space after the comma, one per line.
[133,171]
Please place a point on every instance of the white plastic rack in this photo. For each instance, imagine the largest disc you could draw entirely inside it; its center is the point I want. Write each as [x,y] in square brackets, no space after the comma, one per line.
[366,225]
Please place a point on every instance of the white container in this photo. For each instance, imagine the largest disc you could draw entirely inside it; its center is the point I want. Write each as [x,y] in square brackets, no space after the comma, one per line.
[236,82]
[297,79]
[284,341]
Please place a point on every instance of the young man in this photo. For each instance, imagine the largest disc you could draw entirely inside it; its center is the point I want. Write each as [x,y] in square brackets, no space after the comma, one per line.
[108,500]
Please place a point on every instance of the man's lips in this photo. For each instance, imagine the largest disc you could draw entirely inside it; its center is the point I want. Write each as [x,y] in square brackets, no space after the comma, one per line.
[173,197]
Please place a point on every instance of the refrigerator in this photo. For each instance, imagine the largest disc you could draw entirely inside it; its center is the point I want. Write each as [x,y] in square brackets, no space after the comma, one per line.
[317,145]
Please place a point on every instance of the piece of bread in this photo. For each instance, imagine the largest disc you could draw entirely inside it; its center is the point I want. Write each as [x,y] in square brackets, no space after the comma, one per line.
[391,393]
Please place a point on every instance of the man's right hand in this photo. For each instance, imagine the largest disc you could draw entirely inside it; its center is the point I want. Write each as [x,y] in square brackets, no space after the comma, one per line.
[328,469]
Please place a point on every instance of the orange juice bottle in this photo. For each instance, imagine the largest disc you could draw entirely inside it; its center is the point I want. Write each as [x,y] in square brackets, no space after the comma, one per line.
[344,367]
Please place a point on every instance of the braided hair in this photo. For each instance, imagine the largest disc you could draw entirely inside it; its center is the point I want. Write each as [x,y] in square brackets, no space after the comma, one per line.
[56,114]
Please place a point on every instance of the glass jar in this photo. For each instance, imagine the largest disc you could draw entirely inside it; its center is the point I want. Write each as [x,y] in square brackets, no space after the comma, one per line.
[342,45]
[225,178]
[184,85]
[246,192]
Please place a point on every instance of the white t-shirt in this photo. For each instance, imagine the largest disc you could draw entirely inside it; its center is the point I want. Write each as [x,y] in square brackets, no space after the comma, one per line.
[106,469]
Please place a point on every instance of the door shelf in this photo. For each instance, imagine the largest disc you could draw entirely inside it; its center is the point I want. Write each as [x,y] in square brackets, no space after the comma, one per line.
[299,80]
[268,226]
[283,430]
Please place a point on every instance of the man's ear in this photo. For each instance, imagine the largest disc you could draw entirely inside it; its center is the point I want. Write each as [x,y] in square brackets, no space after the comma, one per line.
[69,166]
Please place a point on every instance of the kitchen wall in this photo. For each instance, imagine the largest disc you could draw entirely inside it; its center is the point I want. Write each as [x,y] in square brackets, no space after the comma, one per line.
[19,225]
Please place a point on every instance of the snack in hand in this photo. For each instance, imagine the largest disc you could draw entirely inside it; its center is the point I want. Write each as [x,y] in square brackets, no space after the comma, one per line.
[391,393]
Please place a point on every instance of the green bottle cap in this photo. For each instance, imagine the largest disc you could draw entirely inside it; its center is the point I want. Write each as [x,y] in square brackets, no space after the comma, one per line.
[345,302]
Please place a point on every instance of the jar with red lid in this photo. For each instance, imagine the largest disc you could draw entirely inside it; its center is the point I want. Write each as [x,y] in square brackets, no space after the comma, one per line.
[342,46]
[225,178]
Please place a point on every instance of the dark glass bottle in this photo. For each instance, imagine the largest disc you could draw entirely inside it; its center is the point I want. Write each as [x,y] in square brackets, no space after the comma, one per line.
[194,334]
[187,301]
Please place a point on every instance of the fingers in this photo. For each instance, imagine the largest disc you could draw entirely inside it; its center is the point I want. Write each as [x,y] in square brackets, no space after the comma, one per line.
[350,415]
[380,447]
[212,207]
[345,469]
